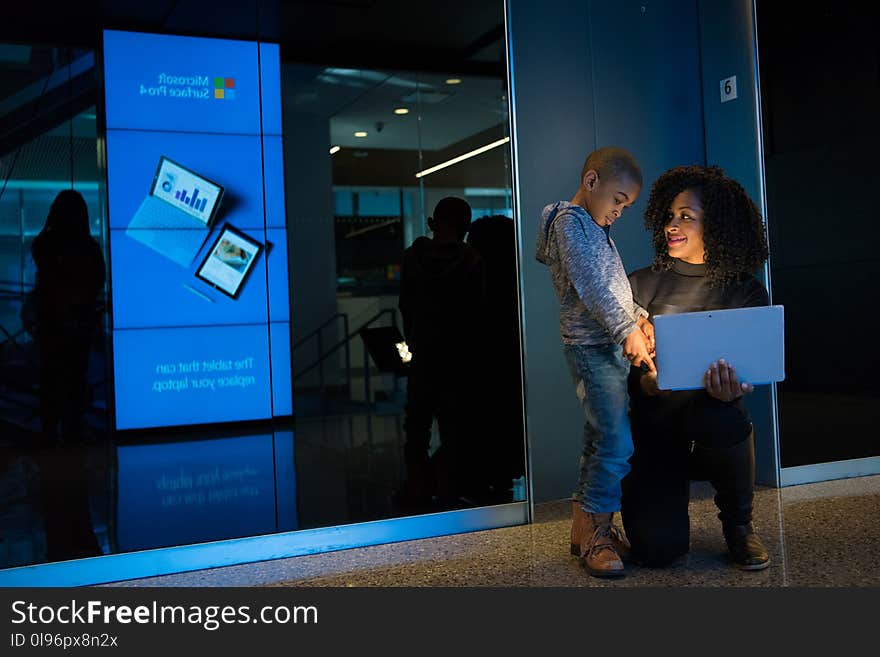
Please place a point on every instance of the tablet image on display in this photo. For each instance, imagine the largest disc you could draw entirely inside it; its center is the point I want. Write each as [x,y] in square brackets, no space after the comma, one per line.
[751,339]
[229,261]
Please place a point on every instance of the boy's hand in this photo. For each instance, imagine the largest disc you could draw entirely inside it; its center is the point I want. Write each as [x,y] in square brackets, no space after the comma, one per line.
[635,348]
[648,329]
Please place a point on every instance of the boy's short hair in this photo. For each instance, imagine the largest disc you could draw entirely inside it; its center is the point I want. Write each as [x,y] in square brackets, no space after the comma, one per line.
[453,211]
[612,162]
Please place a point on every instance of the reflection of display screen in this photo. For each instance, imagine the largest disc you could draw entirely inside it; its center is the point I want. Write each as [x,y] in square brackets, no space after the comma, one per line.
[207,490]
[185,190]
[229,261]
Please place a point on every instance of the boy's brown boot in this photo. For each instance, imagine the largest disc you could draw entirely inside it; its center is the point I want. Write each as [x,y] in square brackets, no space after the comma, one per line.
[578,531]
[598,552]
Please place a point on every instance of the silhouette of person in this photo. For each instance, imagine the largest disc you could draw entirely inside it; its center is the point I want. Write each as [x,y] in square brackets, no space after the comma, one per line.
[70,276]
[442,291]
[501,441]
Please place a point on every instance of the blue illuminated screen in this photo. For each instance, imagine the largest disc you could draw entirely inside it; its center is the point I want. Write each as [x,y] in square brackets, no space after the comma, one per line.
[194,130]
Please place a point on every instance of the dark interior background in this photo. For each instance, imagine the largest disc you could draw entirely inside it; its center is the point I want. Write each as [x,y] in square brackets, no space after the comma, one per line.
[820,87]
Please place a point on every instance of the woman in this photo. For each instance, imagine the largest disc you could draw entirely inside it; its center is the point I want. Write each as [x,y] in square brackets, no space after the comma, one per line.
[70,277]
[709,241]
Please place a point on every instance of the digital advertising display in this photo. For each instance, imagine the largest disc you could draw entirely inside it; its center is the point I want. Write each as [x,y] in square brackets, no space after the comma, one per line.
[198,238]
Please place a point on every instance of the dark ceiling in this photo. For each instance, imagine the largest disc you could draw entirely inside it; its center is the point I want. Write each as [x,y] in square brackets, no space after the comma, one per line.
[464,38]
[462,35]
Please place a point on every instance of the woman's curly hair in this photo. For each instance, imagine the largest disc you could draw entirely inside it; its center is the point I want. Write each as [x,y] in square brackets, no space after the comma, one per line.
[733,230]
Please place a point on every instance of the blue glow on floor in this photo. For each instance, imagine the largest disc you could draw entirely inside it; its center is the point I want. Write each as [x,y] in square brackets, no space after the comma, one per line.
[150,563]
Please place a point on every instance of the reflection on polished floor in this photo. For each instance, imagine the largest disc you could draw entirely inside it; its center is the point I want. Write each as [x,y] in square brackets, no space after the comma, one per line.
[137,491]
[93,496]
[820,535]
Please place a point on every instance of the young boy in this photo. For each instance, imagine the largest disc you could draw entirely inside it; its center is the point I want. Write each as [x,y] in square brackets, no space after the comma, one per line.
[603,333]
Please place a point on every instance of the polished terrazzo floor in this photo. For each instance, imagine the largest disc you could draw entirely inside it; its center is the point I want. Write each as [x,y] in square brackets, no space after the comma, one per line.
[820,535]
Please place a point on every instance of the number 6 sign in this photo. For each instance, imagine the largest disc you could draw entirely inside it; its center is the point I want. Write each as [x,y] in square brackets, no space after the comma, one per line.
[728,89]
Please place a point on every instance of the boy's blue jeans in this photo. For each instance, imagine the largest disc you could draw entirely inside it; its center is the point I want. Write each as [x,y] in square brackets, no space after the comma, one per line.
[600,374]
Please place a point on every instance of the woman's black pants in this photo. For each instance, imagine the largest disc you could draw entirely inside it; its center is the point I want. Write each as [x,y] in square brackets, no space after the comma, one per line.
[656,492]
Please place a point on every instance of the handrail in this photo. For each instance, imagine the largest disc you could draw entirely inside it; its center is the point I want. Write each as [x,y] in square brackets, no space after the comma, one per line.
[332,318]
[318,333]
[347,339]
[9,336]
[386,311]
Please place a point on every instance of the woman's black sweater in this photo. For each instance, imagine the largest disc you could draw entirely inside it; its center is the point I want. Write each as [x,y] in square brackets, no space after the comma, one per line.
[692,415]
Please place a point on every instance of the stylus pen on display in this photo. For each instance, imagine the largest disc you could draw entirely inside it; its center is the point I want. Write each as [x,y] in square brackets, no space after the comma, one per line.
[196,292]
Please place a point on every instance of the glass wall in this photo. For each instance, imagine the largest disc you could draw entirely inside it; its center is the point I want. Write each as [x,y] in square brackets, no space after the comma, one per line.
[820,170]
[398,142]
[368,144]
[54,422]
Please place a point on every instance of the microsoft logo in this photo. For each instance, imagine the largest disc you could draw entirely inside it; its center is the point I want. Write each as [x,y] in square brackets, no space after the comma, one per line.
[224,88]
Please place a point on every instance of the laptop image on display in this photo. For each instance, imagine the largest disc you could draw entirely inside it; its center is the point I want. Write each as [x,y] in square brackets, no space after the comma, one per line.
[175,218]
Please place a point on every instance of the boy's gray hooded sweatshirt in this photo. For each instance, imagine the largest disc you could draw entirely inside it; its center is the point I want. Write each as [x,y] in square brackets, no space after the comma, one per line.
[595,298]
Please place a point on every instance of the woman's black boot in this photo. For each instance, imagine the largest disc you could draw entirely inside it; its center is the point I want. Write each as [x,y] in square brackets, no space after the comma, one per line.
[747,551]
[733,476]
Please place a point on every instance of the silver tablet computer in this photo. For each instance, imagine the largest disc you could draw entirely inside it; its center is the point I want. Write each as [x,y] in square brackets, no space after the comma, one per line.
[750,339]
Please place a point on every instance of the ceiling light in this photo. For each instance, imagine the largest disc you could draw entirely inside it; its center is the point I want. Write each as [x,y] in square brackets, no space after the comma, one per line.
[360,133]
[456,160]
[453,81]
[401,110]
[335,149]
